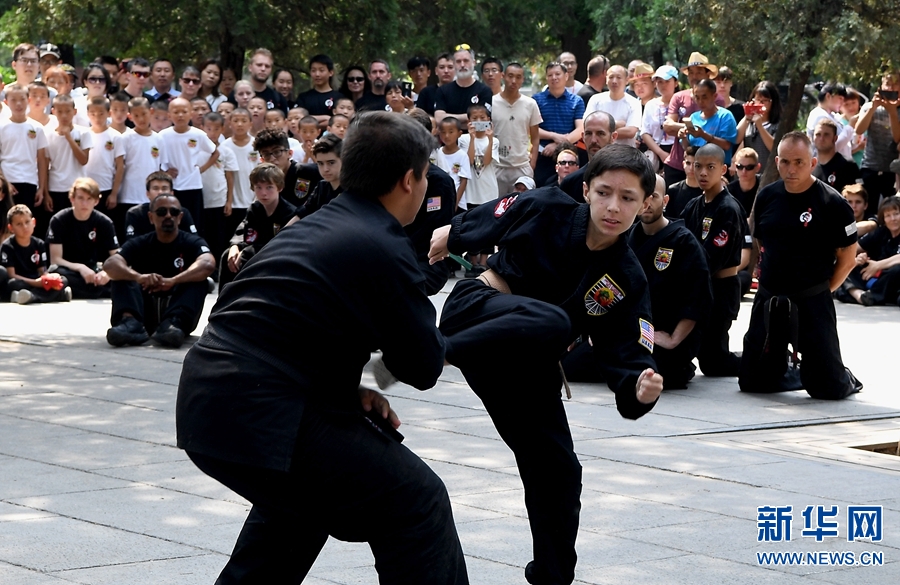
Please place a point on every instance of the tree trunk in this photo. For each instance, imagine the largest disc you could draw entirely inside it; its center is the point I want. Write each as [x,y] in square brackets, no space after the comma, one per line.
[231,55]
[579,45]
[788,122]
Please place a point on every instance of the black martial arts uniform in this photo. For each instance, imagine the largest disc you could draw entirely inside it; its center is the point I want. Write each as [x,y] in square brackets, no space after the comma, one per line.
[282,425]
[573,185]
[27,261]
[678,276]
[323,194]
[885,288]
[798,235]
[508,346]
[436,211]
[257,229]
[721,229]
[137,223]
[183,302]
[680,194]
[300,181]
[85,242]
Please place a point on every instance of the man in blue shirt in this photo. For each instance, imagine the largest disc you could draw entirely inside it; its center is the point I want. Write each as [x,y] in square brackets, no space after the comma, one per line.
[562,113]
[712,124]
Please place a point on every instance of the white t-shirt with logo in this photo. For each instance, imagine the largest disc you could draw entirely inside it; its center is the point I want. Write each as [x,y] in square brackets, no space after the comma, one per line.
[19,145]
[246,159]
[143,156]
[64,167]
[186,151]
[215,187]
[101,164]
[456,165]
[626,110]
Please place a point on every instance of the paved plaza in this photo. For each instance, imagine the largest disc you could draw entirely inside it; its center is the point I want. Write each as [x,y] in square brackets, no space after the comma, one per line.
[94,491]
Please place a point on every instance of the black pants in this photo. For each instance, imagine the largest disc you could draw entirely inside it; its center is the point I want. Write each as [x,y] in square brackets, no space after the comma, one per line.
[117,215]
[225,273]
[520,388]
[878,185]
[885,290]
[81,289]
[714,356]
[217,236]
[41,295]
[349,482]
[183,301]
[192,199]
[674,365]
[822,372]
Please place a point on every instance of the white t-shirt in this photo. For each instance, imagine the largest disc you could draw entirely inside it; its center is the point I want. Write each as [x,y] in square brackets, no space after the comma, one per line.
[297,153]
[626,110]
[655,113]
[482,187]
[246,158]
[512,129]
[64,167]
[186,151]
[215,187]
[456,165]
[19,145]
[101,164]
[143,155]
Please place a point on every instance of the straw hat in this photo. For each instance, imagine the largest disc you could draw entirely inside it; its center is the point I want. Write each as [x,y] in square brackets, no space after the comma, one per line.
[700,60]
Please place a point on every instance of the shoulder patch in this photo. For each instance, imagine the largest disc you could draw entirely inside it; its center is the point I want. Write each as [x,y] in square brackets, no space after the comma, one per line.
[721,239]
[603,296]
[504,204]
[850,229]
[434,204]
[647,335]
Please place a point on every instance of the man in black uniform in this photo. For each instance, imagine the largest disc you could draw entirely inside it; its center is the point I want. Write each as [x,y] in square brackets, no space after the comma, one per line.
[80,238]
[680,290]
[683,192]
[454,98]
[286,429]
[327,153]
[832,168]
[265,217]
[137,219]
[319,100]
[599,132]
[158,281]
[570,273]
[807,236]
[717,221]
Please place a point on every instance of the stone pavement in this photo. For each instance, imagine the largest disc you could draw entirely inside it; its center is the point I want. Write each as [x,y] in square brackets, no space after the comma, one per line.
[93,490]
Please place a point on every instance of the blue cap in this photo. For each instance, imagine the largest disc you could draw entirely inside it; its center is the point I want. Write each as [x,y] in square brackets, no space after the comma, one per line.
[666,72]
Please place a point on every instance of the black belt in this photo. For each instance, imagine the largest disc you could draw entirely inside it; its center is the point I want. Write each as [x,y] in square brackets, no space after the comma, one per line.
[786,306]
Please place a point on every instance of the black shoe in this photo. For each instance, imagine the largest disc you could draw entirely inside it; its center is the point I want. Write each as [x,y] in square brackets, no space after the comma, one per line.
[129,332]
[866,300]
[169,333]
[857,385]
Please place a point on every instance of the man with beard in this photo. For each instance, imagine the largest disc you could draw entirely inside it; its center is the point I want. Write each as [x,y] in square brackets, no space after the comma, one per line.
[454,99]
[261,63]
[833,168]
[379,75]
[158,281]
[599,132]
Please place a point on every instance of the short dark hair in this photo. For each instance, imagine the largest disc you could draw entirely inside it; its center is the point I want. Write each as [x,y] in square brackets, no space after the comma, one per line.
[23,48]
[422,117]
[159,105]
[161,60]
[107,60]
[95,66]
[597,65]
[268,138]
[215,118]
[158,176]
[708,84]
[622,157]
[515,64]
[326,144]
[796,136]
[445,57]
[99,101]
[892,202]
[380,148]
[417,62]
[63,98]
[306,120]
[832,88]
[382,61]
[38,85]
[337,117]
[120,96]
[492,60]
[267,173]
[322,59]
[451,120]
[139,61]
[393,84]
[475,107]
[712,151]
[554,64]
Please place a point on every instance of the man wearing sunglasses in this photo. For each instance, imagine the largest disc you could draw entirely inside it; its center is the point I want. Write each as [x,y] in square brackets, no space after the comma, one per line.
[138,74]
[158,281]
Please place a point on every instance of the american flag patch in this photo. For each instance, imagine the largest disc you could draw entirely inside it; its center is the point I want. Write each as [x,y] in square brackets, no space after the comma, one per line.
[434,204]
[646,335]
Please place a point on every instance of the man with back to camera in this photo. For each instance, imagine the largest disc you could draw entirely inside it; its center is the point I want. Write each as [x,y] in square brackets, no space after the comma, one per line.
[808,236]
[285,429]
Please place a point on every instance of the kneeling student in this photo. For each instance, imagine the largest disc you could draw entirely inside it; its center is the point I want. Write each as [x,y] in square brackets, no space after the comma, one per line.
[24,258]
[265,218]
[158,281]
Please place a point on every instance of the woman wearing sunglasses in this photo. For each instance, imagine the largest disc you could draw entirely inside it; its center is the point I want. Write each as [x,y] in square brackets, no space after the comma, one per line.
[95,80]
[355,83]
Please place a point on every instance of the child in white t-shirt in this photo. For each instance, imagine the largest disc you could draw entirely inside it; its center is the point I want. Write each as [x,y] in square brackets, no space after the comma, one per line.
[218,188]
[246,158]
[142,156]
[23,151]
[483,153]
[452,159]
[68,148]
